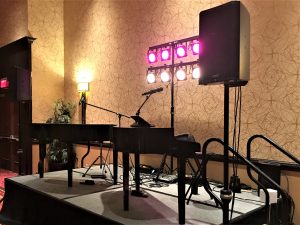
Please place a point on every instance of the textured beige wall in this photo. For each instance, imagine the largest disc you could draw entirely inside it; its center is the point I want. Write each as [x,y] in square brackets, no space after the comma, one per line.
[45,23]
[13,20]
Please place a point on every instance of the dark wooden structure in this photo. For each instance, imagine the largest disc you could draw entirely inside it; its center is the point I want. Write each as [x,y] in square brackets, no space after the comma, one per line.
[69,133]
[16,104]
[153,141]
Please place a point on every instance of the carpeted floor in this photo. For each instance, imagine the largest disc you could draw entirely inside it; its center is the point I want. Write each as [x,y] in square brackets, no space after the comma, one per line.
[4,174]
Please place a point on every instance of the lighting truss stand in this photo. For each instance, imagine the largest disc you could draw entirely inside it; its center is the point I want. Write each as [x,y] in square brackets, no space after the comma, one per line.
[163,161]
[104,164]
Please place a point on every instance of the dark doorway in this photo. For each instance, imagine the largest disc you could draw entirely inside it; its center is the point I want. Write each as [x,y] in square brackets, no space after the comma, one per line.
[15,106]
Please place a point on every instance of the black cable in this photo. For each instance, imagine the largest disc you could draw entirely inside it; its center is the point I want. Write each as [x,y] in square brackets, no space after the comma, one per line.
[236,140]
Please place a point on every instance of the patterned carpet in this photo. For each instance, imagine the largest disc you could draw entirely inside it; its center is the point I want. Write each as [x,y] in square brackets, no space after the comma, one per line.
[4,174]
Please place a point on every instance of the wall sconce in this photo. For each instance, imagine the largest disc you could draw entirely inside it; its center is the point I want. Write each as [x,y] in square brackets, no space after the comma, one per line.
[83,86]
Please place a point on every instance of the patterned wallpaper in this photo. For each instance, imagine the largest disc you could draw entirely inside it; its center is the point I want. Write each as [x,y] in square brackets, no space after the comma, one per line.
[111,38]
[13,20]
[45,23]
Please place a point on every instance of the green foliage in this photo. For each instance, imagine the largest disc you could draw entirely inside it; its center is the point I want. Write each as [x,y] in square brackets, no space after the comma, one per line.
[62,113]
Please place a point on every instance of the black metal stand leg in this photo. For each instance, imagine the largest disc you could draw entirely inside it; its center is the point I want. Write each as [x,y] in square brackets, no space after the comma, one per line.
[161,167]
[126,180]
[70,164]
[181,189]
[137,192]
[101,159]
[115,165]
[93,163]
[42,153]
[226,194]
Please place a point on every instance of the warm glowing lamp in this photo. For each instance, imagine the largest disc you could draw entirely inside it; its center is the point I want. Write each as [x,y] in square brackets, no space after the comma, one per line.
[83,86]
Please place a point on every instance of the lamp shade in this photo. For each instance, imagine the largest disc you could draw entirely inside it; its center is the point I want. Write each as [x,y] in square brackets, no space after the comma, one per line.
[83,86]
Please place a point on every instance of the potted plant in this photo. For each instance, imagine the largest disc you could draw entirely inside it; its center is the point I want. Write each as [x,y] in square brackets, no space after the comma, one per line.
[57,150]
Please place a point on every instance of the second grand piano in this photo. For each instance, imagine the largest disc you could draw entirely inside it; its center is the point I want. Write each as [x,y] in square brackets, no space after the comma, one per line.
[68,133]
[154,141]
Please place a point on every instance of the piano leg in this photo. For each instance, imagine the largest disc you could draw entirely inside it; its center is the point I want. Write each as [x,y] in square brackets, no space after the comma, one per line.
[181,189]
[70,164]
[126,180]
[42,153]
[115,165]
[137,192]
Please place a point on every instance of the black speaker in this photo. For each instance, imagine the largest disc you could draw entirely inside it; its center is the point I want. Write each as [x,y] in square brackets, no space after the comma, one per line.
[225,37]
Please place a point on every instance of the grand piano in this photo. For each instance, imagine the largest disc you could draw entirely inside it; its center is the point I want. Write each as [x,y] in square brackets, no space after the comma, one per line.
[44,133]
[153,141]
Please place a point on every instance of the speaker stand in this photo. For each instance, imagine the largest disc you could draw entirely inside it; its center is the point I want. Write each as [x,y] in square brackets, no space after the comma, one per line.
[226,194]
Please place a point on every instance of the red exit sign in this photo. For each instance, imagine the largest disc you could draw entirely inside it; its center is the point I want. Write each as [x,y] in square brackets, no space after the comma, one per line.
[4,83]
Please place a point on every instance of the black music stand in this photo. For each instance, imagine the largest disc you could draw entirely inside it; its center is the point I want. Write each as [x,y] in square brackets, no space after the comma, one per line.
[140,122]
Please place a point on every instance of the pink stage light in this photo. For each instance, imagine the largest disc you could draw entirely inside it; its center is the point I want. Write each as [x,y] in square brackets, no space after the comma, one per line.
[152,58]
[181,51]
[165,54]
[196,47]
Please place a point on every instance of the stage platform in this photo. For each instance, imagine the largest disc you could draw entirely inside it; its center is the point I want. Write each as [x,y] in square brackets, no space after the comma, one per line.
[34,201]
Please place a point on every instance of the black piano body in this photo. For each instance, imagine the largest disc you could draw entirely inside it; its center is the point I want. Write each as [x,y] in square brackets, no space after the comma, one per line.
[44,133]
[153,141]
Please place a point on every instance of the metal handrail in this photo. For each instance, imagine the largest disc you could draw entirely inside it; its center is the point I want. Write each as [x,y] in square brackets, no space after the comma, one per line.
[278,147]
[284,194]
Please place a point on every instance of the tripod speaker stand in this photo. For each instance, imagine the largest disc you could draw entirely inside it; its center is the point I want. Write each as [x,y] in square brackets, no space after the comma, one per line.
[105,143]
[103,161]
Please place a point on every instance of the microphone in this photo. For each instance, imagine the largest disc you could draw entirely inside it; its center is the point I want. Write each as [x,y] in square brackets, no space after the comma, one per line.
[153,91]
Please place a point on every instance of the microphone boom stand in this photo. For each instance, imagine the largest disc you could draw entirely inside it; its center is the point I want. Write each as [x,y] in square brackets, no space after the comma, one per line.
[108,110]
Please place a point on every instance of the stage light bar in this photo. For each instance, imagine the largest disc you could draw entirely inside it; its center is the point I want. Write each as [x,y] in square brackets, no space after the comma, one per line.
[181,51]
[165,76]
[152,57]
[4,83]
[151,78]
[180,74]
